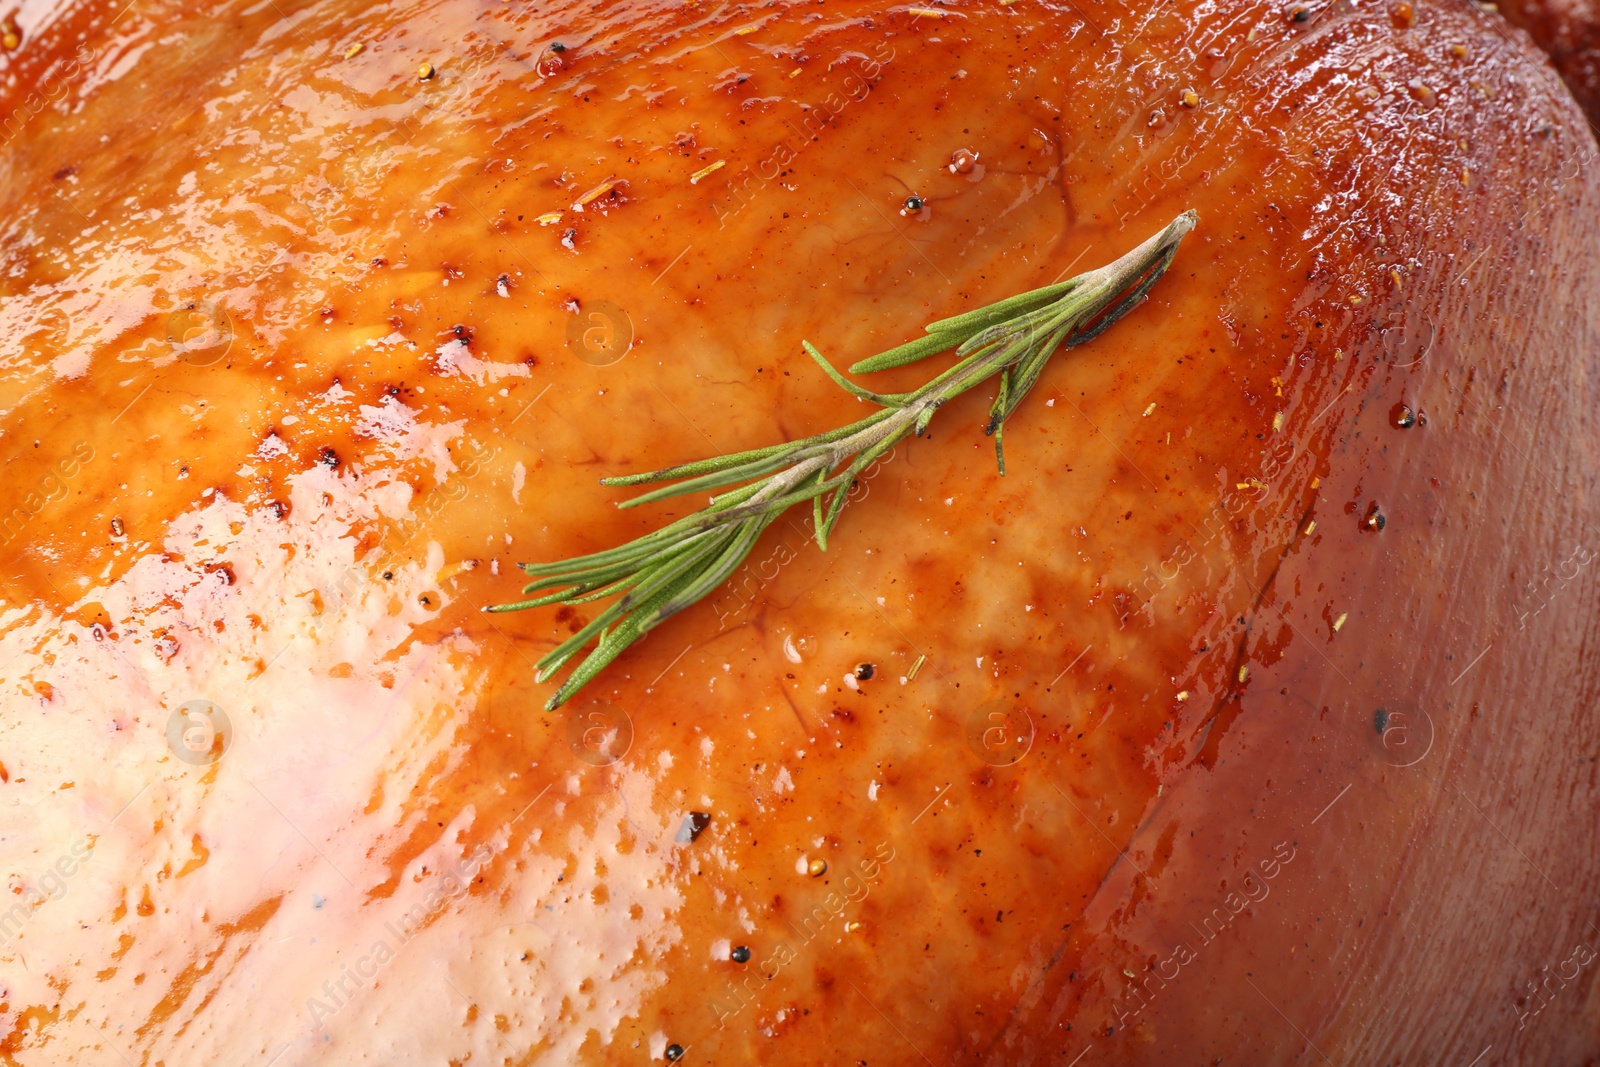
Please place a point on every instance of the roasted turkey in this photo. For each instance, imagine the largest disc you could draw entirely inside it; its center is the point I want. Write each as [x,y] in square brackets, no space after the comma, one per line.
[1250,718]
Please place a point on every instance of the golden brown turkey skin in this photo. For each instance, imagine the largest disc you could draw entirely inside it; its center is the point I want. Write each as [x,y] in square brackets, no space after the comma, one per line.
[288,389]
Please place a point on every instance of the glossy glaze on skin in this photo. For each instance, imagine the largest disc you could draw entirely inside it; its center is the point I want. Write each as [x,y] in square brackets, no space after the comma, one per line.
[1290,793]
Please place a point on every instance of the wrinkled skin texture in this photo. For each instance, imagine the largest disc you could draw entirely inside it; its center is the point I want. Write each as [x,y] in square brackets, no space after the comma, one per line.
[288,389]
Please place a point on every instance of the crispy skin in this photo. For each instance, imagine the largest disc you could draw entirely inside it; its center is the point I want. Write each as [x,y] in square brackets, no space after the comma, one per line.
[1210,849]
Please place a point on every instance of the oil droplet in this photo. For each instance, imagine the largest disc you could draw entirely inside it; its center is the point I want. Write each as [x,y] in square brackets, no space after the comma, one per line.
[1374,520]
[674,1053]
[963,160]
[1404,16]
[914,205]
[1189,98]
[425,71]
[817,868]
[740,954]
[1403,417]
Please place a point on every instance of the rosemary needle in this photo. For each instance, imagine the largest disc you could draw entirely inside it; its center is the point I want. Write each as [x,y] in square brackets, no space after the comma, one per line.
[661,573]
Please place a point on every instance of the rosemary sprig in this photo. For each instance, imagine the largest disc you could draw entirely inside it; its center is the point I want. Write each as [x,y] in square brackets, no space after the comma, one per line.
[660,574]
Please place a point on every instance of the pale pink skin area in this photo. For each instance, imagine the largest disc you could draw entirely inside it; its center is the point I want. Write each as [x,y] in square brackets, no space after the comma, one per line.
[251,460]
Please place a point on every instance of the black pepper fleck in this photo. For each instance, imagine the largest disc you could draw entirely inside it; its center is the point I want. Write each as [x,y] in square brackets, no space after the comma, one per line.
[693,824]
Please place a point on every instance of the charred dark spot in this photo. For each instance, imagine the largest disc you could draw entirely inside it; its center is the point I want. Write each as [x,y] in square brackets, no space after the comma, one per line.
[693,826]
[64,173]
[328,457]
[865,671]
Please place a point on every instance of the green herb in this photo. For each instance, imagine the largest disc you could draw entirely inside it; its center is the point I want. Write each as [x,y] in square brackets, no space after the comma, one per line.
[664,572]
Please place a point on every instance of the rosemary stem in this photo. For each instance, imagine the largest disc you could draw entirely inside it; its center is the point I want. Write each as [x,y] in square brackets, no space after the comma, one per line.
[663,572]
